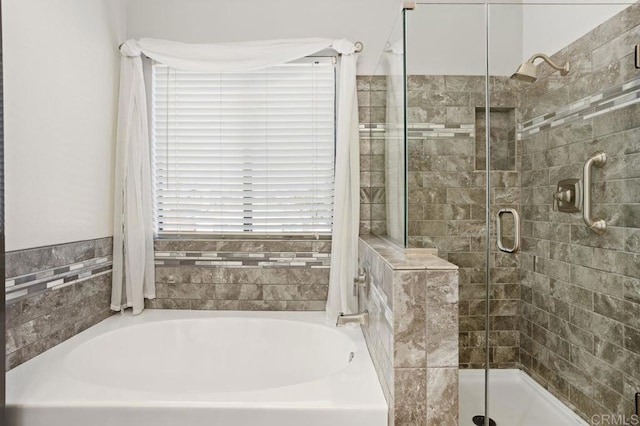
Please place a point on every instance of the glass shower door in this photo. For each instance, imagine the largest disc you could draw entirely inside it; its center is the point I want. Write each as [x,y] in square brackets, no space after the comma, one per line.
[563,152]
[446,109]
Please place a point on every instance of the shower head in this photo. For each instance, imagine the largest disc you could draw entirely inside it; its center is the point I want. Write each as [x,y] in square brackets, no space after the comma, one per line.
[528,71]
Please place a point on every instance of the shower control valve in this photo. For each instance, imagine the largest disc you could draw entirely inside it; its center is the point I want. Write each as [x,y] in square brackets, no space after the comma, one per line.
[563,195]
[568,196]
[362,280]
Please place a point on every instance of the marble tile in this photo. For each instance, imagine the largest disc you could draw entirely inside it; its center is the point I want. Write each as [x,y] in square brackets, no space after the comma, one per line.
[295,276]
[28,261]
[442,319]
[295,292]
[27,333]
[442,396]
[44,303]
[410,396]
[238,291]
[185,291]
[25,353]
[409,319]
[103,247]
[91,320]
[305,305]
[251,305]
[247,276]
[43,320]
[167,303]
[206,305]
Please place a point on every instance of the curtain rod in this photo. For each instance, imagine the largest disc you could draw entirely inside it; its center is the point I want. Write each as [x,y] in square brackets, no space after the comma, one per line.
[358,44]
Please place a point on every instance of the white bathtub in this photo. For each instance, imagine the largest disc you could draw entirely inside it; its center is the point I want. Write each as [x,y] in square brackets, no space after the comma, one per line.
[193,368]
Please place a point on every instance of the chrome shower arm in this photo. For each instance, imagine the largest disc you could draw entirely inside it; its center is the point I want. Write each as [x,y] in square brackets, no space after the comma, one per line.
[563,70]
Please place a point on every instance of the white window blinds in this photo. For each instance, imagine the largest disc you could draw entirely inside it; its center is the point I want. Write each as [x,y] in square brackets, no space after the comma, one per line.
[244,152]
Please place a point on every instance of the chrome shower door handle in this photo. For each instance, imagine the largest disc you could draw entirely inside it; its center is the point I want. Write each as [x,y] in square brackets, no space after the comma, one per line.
[597,159]
[516,230]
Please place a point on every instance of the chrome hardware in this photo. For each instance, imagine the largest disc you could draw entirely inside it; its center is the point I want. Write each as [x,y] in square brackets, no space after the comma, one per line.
[568,196]
[409,5]
[528,71]
[361,318]
[516,230]
[362,280]
[564,195]
[597,159]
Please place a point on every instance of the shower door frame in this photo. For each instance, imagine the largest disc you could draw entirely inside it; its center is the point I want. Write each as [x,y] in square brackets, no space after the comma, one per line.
[487,170]
[2,248]
[487,218]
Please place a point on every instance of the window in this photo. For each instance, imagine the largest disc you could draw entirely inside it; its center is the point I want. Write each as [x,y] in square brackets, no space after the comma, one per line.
[244,152]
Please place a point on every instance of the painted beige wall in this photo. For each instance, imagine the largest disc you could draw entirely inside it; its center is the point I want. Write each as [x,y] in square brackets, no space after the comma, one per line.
[211,21]
[61,68]
[448,38]
[550,27]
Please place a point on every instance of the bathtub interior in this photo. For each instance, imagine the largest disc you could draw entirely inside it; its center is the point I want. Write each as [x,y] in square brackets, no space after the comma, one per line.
[231,355]
[224,360]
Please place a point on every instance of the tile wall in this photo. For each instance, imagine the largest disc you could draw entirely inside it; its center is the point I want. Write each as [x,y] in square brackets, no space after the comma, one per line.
[580,330]
[413,306]
[283,274]
[446,179]
[53,293]
[372,97]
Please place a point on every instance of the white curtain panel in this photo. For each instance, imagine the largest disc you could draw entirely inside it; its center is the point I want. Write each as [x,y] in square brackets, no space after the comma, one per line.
[346,199]
[133,269]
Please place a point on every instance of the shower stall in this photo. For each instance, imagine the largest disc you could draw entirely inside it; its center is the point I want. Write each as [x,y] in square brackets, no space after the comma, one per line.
[507,137]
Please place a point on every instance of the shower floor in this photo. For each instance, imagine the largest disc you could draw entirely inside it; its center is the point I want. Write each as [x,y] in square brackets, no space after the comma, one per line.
[516,400]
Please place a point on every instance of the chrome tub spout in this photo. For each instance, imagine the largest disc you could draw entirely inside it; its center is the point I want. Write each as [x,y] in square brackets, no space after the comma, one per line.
[361,318]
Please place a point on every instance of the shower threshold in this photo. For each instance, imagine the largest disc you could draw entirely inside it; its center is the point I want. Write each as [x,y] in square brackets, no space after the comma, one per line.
[515,400]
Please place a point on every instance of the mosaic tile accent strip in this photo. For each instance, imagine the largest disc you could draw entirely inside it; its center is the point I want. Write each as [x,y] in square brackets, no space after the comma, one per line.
[433,130]
[425,130]
[53,293]
[612,99]
[31,284]
[240,259]
[379,300]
